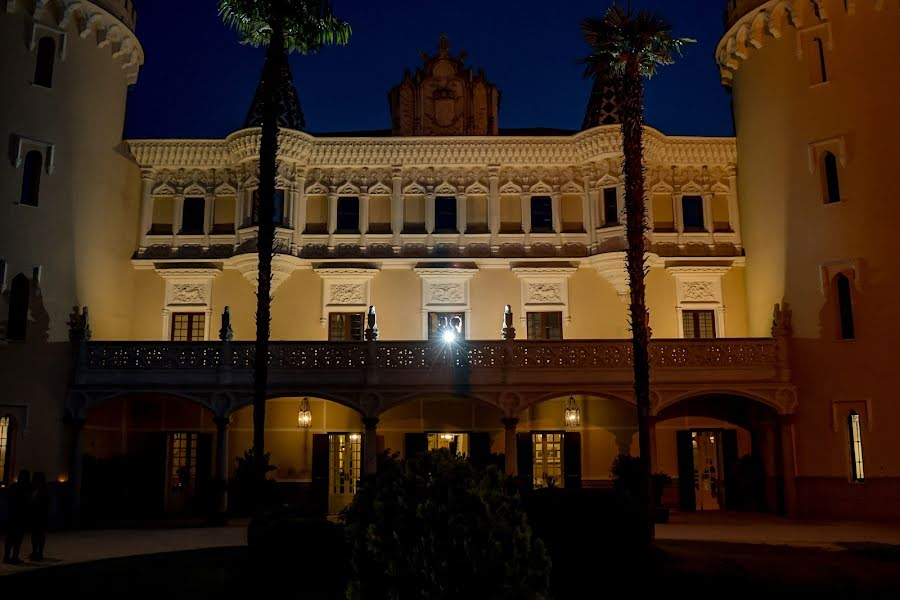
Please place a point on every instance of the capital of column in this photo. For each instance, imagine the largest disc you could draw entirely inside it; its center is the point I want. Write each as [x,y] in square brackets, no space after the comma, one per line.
[510,422]
[370,423]
[222,423]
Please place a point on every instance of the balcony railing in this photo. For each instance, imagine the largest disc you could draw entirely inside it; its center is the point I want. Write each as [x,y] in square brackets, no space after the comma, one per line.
[404,355]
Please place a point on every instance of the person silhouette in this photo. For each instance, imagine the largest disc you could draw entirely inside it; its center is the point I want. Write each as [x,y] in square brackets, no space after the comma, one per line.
[19,496]
[39,515]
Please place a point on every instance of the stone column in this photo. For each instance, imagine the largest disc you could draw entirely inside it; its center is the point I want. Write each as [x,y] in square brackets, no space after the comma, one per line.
[179,214]
[429,213]
[461,213]
[678,216]
[363,217]
[595,212]
[511,450]
[586,211]
[239,210]
[708,216]
[396,206]
[556,204]
[76,462]
[146,206]
[494,204]
[788,465]
[298,196]
[332,213]
[370,446]
[526,213]
[209,205]
[734,211]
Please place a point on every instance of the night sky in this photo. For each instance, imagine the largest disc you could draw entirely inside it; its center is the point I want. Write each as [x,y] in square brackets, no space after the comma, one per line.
[198,81]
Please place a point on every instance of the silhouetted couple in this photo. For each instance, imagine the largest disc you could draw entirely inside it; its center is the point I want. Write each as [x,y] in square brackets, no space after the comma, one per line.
[29,508]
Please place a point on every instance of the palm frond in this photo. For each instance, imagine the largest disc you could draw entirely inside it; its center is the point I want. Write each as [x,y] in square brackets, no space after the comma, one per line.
[621,33]
[308,25]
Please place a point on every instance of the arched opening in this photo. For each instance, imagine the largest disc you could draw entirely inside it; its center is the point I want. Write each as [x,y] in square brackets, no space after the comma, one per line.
[845,307]
[7,449]
[17,320]
[145,455]
[832,185]
[578,452]
[724,452]
[31,178]
[46,57]
[316,468]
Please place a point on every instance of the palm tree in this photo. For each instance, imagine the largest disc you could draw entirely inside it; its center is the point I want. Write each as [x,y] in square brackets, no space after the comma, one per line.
[626,47]
[284,26]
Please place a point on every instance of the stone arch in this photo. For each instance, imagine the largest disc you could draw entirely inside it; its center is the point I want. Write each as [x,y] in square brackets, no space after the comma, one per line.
[667,401]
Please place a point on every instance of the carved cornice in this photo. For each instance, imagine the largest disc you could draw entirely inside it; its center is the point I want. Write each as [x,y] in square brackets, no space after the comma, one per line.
[110,23]
[588,149]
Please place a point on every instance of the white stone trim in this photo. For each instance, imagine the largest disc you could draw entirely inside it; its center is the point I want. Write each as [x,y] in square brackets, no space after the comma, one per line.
[699,288]
[345,290]
[446,290]
[24,145]
[544,289]
[829,270]
[837,145]
[39,30]
[187,290]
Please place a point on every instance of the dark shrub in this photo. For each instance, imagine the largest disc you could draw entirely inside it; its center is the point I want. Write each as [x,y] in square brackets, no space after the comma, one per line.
[311,552]
[242,494]
[586,532]
[437,527]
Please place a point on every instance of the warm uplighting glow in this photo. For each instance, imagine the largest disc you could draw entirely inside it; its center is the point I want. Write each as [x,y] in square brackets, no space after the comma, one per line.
[573,414]
[304,415]
[63,477]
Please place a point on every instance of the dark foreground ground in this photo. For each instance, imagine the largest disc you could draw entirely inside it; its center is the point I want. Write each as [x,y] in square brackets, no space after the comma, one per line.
[676,569]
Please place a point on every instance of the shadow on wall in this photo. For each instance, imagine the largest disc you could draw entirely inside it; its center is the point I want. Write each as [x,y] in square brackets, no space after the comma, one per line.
[26,317]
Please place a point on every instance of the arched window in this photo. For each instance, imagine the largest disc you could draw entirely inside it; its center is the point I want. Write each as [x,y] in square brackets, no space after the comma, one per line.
[46,56]
[823,72]
[857,472]
[845,306]
[18,308]
[31,178]
[832,185]
[7,437]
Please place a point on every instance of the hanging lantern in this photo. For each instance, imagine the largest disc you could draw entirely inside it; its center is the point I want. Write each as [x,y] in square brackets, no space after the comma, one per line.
[573,414]
[304,415]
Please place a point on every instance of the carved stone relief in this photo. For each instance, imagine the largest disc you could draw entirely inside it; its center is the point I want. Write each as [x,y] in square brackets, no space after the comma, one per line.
[347,293]
[188,293]
[544,293]
[446,293]
[699,291]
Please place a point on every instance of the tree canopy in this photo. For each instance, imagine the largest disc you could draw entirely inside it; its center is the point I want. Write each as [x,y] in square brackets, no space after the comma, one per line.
[308,25]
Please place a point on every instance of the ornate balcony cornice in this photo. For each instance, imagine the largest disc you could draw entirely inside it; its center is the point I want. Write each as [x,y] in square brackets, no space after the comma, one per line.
[583,148]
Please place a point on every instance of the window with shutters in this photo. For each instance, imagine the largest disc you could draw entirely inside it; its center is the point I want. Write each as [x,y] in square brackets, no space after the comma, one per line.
[7,433]
[699,324]
[544,325]
[548,459]
[346,327]
[182,462]
[857,470]
[188,327]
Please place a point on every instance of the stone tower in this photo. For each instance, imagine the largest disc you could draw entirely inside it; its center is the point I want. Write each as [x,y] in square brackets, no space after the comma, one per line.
[814,87]
[69,197]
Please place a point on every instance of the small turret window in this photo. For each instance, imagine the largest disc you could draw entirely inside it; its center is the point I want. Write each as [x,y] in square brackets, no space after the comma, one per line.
[845,307]
[17,321]
[818,68]
[31,178]
[46,56]
[857,470]
[832,184]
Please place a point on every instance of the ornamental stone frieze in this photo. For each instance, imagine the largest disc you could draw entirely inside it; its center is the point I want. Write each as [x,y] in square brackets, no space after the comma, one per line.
[586,147]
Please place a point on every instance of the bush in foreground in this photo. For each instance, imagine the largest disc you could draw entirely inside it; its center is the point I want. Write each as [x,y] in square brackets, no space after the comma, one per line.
[437,527]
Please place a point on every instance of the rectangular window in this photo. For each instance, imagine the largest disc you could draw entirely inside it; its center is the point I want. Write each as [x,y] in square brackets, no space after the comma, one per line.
[438,319]
[182,462]
[346,327]
[456,443]
[548,459]
[4,450]
[541,214]
[610,207]
[699,324]
[858,473]
[345,458]
[445,214]
[544,326]
[692,213]
[818,69]
[347,214]
[188,327]
[193,216]
[277,215]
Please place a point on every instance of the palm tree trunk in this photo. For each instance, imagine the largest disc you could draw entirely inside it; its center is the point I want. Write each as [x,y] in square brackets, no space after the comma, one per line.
[632,113]
[265,211]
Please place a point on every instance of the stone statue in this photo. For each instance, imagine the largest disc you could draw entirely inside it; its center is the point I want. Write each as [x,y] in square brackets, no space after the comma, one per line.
[226,334]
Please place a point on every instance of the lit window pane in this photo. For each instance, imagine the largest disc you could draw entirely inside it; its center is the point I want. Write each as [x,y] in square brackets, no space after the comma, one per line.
[548,459]
[4,448]
[856,450]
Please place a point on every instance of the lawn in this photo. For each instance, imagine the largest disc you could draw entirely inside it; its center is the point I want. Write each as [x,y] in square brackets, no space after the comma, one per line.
[685,569]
